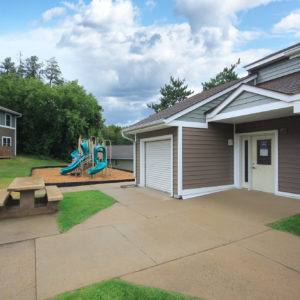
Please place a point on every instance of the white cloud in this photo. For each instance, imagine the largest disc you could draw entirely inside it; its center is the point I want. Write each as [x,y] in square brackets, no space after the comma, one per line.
[219,13]
[289,24]
[151,4]
[123,63]
[49,14]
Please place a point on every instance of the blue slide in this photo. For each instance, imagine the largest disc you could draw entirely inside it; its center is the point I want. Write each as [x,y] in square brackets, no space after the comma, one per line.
[99,165]
[77,158]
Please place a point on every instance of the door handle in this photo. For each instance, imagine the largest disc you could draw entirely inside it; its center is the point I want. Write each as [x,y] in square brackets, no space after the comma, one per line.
[253,167]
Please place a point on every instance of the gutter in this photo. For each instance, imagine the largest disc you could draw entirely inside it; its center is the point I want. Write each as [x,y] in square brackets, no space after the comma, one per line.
[127,138]
[134,152]
[154,123]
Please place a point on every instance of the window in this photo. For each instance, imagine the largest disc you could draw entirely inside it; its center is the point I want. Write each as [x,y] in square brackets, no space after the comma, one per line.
[117,162]
[8,121]
[264,152]
[6,141]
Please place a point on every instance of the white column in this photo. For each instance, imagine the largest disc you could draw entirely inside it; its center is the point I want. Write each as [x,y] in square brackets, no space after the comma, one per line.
[249,163]
[179,162]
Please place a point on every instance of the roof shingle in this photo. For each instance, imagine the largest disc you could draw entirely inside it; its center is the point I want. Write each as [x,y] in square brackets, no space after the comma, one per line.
[289,84]
[178,107]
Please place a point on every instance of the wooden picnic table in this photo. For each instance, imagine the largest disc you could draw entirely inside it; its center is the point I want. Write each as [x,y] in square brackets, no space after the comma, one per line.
[26,186]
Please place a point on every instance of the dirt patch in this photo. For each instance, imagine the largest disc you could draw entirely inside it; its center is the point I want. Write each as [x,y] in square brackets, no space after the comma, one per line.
[52,175]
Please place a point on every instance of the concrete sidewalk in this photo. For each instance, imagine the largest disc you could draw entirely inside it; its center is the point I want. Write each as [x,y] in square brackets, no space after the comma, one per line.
[215,247]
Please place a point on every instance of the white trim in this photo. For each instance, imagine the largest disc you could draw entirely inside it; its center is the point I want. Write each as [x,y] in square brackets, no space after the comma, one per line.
[16,136]
[188,124]
[297,107]
[10,111]
[201,103]
[264,61]
[153,127]
[142,158]
[254,90]
[290,195]
[6,137]
[276,161]
[134,158]
[249,164]
[238,170]
[250,111]
[3,126]
[288,53]
[141,128]
[179,162]
[190,193]
[237,159]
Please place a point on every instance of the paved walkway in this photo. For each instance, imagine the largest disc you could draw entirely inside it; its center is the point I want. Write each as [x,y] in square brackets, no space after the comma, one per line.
[215,247]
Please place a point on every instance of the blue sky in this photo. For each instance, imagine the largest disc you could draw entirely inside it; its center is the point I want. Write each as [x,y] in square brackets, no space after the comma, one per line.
[123,51]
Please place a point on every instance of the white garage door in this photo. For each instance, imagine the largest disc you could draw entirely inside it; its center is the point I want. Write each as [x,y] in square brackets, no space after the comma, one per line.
[158,169]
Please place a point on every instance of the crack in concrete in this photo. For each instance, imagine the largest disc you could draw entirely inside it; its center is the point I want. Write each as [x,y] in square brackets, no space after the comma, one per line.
[271,259]
[146,254]
[209,249]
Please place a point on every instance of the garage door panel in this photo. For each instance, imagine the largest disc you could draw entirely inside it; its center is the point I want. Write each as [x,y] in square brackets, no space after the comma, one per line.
[158,170]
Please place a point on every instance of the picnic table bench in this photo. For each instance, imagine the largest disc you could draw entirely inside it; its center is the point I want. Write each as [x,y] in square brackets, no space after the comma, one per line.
[53,193]
[28,203]
[4,194]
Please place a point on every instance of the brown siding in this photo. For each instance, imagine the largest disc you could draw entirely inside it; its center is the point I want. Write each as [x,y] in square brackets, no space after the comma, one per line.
[173,131]
[207,159]
[288,149]
[8,132]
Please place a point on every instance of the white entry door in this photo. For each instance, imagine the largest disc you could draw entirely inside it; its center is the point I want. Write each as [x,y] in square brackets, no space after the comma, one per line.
[158,169]
[263,163]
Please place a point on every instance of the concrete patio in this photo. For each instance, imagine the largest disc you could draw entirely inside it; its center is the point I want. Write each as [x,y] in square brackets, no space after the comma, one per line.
[215,247]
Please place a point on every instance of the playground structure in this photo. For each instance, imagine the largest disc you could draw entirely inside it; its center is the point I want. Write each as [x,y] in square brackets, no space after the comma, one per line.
[90,155]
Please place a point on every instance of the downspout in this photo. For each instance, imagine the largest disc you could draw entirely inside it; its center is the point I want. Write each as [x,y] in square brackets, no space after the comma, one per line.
[134,150]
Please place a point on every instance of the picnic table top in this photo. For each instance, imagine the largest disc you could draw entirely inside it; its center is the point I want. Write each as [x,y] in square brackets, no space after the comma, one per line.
[20,184]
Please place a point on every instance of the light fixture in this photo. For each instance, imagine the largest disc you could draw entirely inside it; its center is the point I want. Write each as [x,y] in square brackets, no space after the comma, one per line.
[230,142]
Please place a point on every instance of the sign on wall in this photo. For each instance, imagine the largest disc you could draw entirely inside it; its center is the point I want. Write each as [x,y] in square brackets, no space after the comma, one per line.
[264,152]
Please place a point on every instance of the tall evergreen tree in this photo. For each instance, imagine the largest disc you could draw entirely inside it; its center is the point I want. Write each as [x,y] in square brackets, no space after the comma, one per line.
[227,75]
[172,93]
[52,72]
[7,66]
[33,67]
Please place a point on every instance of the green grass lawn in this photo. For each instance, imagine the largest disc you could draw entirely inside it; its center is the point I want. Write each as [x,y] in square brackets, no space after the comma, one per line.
[20,166]
[289,224]
[78,206]
[116,289]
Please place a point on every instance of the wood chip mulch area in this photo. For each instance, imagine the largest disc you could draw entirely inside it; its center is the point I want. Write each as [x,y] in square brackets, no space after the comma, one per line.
[52,175]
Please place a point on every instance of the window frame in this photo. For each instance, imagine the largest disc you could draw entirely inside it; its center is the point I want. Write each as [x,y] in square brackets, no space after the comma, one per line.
[7,138]
[10,120]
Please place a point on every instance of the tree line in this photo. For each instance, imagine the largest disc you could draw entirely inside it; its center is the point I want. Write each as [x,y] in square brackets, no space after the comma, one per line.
[55,112]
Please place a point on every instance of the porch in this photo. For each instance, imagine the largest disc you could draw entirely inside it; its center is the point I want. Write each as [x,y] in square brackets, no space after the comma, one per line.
[6,152]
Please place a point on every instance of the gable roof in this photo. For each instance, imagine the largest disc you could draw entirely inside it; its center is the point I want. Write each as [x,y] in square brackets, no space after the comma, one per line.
[273,56]
[187,103]
[2,108]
